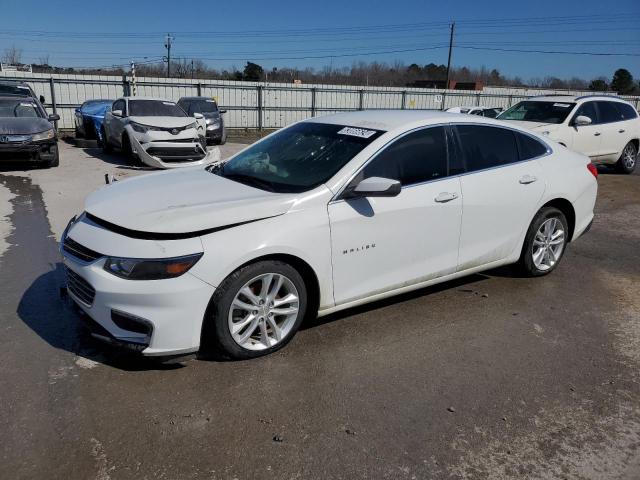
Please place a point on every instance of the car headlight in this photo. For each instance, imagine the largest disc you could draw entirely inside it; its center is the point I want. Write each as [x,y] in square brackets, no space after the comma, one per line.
[150,269]
[192,125]
[137,127]
[48,135]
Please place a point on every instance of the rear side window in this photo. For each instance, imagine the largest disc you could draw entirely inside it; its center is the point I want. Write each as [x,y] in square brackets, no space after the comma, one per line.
[608,112]
[487,146]
[626,111]
[417,157]
[529,147]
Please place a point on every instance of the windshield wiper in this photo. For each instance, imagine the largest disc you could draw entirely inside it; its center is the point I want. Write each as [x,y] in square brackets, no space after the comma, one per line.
[248,180]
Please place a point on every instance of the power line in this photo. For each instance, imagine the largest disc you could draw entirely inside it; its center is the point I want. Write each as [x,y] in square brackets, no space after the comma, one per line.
[600,54]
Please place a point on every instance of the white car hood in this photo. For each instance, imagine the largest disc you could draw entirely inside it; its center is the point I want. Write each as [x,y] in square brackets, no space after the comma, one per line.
[188,201]
[164,122]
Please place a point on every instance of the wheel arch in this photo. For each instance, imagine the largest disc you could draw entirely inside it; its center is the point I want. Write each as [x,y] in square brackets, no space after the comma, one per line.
[566,207]
[307,272]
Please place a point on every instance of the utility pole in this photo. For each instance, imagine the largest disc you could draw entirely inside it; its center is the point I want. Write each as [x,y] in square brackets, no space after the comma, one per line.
[453,26]
[167,45]
[133,77]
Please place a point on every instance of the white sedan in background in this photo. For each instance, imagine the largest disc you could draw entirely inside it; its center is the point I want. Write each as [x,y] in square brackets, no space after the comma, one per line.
[156,132]
[326,214]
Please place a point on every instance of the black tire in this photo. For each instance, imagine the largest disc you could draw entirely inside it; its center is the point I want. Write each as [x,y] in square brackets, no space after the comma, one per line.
[627,161]
[215,331]
[106,146]
[127,151]
[223,138]
[526,263]
[54,162]
[77,133]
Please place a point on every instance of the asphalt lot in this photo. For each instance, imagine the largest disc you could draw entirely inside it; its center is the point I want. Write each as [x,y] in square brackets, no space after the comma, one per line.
[489,377]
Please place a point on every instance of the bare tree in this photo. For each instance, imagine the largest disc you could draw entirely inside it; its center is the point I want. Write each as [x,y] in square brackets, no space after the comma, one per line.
[43,59]
[12,56]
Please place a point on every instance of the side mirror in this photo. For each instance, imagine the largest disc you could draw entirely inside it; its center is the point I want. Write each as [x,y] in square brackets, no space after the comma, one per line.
[222,111]
[376,187]
[54,117]
[42,99]
[199,116]
[582,120]
[116,113]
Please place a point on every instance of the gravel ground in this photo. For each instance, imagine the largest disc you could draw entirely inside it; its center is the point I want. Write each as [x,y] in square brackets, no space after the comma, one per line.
[488,377]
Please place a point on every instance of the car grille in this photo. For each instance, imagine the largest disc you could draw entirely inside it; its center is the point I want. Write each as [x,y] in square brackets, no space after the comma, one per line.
[80,288]
[75,249]
[176,154]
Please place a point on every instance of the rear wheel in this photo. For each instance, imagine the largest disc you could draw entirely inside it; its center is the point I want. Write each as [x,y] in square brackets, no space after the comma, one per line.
[545,242]
[256,310]
[627,161]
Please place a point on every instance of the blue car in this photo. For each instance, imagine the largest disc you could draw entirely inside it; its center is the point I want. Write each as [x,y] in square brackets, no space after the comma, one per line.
[89,117]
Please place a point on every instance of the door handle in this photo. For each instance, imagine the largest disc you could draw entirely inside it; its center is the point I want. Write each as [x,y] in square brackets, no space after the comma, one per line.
[597,134]
[621,130]
[527,179]
[445,197]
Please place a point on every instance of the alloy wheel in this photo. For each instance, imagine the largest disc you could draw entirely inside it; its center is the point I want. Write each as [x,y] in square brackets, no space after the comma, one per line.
[548,244]
[264,311]
[629,156]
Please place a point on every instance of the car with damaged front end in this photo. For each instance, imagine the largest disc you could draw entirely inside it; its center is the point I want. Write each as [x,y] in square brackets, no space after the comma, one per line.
[156,133]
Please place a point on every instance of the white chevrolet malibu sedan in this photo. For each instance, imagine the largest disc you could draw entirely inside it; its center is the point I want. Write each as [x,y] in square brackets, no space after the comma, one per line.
[326,214]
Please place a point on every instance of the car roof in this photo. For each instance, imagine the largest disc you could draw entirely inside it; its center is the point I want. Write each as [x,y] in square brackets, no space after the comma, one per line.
[396,119]
[574,98]
[17,97]
[197,98]
[156,99]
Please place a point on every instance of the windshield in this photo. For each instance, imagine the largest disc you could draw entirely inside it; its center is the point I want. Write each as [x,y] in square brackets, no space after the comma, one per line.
[18,108]
[154,108]
[202,106]
[545,112]
[298,158]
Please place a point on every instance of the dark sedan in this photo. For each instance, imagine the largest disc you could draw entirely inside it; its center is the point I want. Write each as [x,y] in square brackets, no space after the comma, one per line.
[26,132]
[216,132]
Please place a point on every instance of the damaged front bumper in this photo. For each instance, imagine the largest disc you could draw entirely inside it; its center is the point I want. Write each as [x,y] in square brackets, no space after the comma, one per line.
[173,153]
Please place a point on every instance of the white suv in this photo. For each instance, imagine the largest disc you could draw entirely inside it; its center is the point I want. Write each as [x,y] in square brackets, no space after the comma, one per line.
[605,128]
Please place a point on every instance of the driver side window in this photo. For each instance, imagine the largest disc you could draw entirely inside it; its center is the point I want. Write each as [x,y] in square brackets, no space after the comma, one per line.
[119,105]
[417,157]
[588,110]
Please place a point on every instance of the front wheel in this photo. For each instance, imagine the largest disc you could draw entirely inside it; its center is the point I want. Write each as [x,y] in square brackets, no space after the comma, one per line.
[106,146]
[627,161]
[256,310]
[545,242]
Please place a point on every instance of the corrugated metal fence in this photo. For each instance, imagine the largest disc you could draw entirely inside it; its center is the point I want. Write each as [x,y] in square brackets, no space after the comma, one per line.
[252,105]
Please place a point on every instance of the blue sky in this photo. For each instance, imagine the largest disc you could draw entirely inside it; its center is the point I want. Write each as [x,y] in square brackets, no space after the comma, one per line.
[88,33]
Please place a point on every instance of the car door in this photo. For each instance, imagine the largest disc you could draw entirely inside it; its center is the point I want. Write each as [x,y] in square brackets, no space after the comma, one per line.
[383,243]
[612,122]
[500,190]
[116,124]
[586,139]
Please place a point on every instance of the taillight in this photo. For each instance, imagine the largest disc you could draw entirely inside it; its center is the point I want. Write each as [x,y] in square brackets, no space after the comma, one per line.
[593,169]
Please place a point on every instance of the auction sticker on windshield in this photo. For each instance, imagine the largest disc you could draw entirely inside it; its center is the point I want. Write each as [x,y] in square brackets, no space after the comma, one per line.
[357,132]
[563,105]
